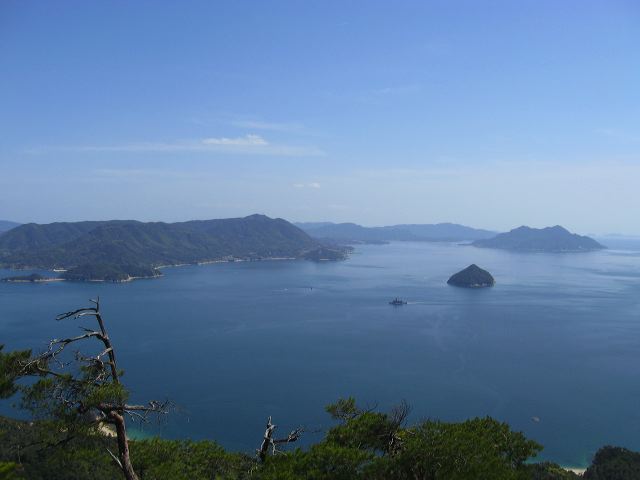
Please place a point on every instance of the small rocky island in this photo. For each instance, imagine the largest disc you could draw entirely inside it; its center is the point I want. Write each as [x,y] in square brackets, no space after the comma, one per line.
[472,277]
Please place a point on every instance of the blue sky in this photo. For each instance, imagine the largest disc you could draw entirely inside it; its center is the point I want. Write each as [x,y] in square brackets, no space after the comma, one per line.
[487,113]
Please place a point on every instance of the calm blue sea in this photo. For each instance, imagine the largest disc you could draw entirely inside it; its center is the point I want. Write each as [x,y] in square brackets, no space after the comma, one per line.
[557,338]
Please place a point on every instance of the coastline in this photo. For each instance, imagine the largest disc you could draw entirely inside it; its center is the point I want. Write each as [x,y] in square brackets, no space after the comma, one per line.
[124,280]
[231,260]
[45,280]
[577,470]
[159,267]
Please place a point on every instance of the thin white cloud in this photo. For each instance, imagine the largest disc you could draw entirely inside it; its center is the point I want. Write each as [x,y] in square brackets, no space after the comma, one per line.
[248,122]
[314,185]
[145,173]
[249,144]
[249,140]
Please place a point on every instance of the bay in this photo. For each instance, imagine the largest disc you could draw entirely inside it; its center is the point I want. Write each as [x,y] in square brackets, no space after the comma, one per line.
[557,338]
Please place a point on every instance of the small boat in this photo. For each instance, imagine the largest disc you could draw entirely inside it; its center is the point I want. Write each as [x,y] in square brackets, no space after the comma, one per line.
[396,301]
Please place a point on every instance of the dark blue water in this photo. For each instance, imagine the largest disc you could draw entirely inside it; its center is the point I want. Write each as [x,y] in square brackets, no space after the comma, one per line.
[557,338]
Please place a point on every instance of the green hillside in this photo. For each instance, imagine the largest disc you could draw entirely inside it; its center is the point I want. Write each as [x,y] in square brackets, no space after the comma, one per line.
[127,248]
[549,239]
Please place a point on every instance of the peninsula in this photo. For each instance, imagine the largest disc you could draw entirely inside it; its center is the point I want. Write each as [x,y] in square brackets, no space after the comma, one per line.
[121,250]
[32,278]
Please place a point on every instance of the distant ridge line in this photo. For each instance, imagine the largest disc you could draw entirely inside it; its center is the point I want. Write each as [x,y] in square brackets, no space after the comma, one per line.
[120,249]
[549,239]
[353,232]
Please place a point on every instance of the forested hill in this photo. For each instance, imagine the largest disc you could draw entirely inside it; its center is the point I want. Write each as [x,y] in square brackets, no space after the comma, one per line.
[549,239]
[352,232]
[131,248]
[6,225]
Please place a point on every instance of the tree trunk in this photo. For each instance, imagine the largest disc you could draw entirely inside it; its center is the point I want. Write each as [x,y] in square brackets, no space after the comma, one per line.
[266,440]
[123,446]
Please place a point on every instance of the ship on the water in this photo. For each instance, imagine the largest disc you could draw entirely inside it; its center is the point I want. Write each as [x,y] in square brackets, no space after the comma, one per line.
[397,301]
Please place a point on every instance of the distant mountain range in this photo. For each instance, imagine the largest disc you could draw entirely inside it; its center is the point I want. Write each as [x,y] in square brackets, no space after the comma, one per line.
[121,249]
[353,233]
[619,242]
[524,239]
[550,239]
[6,225]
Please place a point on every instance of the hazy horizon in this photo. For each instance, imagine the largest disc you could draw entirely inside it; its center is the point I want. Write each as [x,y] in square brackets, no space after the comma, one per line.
[487,115]
[426,350]
[605,234]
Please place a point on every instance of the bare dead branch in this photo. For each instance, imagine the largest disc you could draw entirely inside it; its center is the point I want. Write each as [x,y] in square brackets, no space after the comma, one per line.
[98,371]
[398,417]
[75,313]
[152,406]
[104,352]
[292,437]
[268,440]
[74,391]
[368,408]
[133,415]
[61,344]
[399,413]
[115,459]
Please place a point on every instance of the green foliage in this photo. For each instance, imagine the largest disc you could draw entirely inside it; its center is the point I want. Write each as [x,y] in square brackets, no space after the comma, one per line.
[66,397]
[614,463]
[51,451]
[69,390]
[115,250]
[363,445]
[481,448]
[370,431]
[187,460]
[324,461]
[344,409]
[10,366]
[477,448]
[9,471]
[374,445]
[84,456]
[110,272]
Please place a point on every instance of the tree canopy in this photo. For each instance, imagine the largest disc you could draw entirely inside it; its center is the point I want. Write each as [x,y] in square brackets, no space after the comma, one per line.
[71,400]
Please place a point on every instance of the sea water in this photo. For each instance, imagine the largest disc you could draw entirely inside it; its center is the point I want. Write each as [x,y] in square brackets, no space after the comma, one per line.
[553,349]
